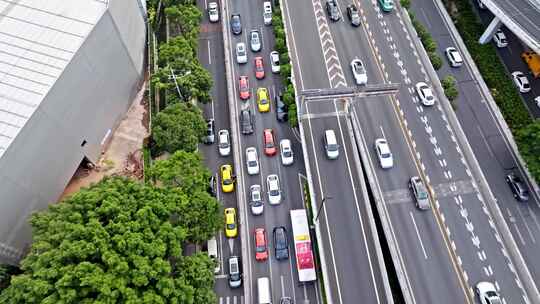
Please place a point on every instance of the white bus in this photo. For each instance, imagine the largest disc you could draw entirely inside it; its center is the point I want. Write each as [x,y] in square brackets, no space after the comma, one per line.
[305,264]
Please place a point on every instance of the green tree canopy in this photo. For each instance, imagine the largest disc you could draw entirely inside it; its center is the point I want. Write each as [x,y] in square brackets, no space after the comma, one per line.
[114,242]
[177,48]
[529,139]
[186,20]
[180,126]
[184,170]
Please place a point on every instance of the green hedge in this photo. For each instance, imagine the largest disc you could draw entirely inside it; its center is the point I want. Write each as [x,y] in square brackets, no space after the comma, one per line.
[285,70]
[490,66]
[427,41]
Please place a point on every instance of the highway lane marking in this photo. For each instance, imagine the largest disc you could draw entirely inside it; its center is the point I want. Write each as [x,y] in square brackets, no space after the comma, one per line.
[531,235]
[418,235]
[282,286]
[209,52]
[292,277]
[241,196]
[324,209]
[357,204]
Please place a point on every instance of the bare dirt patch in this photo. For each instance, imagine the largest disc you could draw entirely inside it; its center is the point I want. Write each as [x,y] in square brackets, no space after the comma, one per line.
[123,155]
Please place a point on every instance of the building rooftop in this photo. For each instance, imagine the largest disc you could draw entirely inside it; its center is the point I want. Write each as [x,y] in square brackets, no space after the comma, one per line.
[38,38]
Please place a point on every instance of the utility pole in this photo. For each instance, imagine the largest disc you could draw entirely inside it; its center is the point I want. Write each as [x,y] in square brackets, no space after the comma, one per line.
[321,206]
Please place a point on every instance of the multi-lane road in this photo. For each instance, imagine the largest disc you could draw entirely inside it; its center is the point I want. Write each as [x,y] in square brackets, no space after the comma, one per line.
[486,137]
[282,274]
[442,252]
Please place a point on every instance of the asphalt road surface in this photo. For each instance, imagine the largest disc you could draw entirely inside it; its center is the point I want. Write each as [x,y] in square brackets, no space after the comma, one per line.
[283,275]
[485,137]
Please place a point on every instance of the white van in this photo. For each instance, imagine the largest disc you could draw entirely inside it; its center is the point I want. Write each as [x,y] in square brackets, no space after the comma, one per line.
[213,252]
[330,144]
[263,289]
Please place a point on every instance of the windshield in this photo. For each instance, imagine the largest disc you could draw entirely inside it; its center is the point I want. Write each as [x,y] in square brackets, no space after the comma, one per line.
[230,226]
[422,194]
[252,163]
[227,181]
[274,192]
[223,144]
[287,153]
[261,248]
[256,196]
[332,147]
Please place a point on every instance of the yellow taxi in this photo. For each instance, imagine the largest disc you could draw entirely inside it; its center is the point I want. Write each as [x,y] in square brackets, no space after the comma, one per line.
[263,100]
[227,181]
[230,223]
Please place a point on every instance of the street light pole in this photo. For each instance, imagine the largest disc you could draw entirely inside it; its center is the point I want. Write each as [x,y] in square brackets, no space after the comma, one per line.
[321,206]
[174,77]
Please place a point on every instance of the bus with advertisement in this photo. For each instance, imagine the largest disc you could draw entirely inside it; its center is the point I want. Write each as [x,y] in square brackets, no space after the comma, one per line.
[305,263]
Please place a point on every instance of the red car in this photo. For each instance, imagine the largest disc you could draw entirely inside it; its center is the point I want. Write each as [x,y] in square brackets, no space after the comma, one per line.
[243,84]
[259,68]
[261,247]
[269,142]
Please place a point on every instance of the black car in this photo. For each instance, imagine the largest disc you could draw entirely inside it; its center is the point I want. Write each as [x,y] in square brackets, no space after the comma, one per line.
[236,24]
[285,300]
[352,13]
[282,112]
[210,136]
[518,188]
[212,186]
[246,122]
[281,245]
[332,10]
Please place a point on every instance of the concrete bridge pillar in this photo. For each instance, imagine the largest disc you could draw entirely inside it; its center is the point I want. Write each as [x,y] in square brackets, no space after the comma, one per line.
[490,31]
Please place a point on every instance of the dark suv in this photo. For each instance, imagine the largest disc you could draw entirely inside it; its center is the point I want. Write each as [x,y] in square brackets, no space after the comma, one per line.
[210,136]
[518,188]
[236,24]
[281,245]
[246,122]
[354,17]
[282,112]
[332,10]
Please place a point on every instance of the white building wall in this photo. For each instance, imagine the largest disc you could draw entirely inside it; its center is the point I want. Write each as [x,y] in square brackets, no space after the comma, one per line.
[87,101]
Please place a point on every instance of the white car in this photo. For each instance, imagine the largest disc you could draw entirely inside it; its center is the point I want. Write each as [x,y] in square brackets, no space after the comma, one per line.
[286,152]
[488,293]
[425,94]
[274,191]
[267,13]
[241,53]
[454,57]
[537,101]
[224,143]
[500,39]
[255,40]
[383,153]
[359,71]
[213,13]
[252,161]
[521,82]
[274,61]
[255,200]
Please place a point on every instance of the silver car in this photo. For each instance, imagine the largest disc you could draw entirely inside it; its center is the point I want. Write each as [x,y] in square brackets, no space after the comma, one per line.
[419,192]
[255,200]
[255,40]
[241,54]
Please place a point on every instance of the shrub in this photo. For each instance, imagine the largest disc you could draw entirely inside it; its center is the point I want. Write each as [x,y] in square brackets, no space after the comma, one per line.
[293,118]
[449,86]
[406,3]
[436,60]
